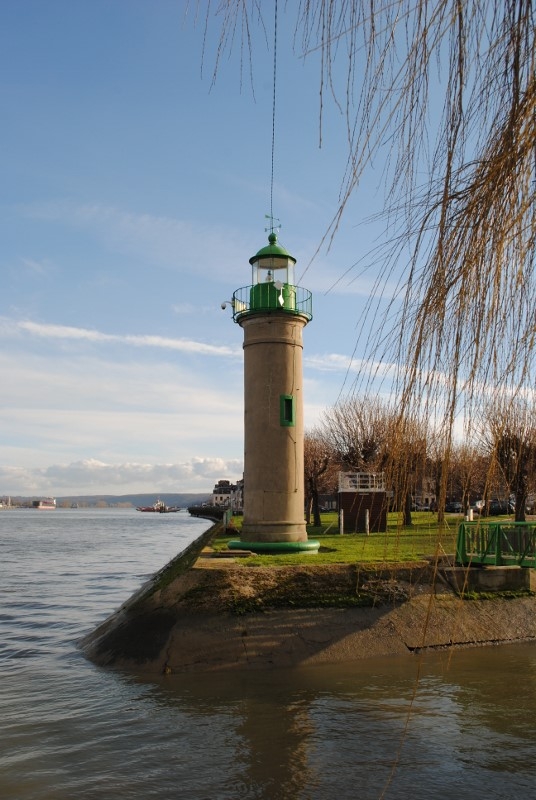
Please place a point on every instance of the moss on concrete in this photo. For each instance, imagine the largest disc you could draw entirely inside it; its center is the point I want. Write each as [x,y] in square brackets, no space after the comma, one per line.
[206,613]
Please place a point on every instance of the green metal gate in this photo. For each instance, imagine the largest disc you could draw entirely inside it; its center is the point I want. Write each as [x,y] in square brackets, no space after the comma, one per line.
[500,544]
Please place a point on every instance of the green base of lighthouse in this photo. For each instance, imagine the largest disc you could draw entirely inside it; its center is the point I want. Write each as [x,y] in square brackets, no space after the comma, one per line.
[273,548]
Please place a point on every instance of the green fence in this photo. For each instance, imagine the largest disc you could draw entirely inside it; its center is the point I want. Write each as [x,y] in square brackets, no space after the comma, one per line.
[500,544]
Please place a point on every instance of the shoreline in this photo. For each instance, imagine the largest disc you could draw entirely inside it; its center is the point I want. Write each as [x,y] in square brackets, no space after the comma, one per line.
[201,613]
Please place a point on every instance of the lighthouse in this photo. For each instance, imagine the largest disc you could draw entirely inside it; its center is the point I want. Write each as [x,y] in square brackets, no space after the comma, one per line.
[272,312]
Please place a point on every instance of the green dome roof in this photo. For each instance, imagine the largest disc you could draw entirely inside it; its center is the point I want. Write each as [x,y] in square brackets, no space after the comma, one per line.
[271,250]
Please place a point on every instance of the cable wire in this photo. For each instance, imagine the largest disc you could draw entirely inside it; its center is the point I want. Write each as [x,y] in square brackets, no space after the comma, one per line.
[273,121]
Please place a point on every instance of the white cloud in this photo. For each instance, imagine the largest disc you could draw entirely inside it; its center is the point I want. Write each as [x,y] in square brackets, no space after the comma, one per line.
[92,476]
[337,362]
[59,407]
[38,267]
[170,242]
[48,331]
[153,422]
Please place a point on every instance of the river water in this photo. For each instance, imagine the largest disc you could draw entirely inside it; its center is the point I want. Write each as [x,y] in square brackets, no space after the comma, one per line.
[459,725]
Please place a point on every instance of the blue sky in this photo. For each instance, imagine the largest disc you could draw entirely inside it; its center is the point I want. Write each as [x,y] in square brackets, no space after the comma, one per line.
[133,193]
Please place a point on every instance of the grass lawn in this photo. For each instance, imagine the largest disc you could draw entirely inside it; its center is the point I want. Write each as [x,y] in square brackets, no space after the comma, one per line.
[397,545]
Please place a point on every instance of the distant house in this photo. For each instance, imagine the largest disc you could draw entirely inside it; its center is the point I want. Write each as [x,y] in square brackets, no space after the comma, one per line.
[425,496]
[222,494]
[237,497]
[228,495]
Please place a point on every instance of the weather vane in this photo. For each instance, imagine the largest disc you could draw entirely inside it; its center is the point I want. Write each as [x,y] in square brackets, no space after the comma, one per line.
[275,224]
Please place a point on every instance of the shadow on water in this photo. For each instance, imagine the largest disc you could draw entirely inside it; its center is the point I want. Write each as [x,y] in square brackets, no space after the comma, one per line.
[442,725]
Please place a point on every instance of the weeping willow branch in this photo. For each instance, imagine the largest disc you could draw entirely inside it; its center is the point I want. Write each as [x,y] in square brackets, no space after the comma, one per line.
[444,89]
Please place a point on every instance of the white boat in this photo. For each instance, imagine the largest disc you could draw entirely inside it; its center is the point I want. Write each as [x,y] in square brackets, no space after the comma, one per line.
[159,507]
[46,503]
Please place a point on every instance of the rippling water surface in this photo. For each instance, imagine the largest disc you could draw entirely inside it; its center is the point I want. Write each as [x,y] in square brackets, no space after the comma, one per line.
[445,726]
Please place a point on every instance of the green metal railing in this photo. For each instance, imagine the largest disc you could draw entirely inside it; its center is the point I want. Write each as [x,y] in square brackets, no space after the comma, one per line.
[499,544]
[265,298]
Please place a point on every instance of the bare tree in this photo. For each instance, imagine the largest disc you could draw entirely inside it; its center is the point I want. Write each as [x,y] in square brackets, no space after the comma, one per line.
[320,472]
[437,465]
[405,460]
[369,435]
[356,430]
[468,473]
[512,436]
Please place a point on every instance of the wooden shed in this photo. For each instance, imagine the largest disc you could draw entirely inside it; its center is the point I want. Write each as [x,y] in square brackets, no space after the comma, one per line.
[363,502]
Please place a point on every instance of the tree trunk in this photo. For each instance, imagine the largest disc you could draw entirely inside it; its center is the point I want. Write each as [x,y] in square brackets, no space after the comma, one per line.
[407,510]
[521,502]
[317,522]
[465,503]
[308,506]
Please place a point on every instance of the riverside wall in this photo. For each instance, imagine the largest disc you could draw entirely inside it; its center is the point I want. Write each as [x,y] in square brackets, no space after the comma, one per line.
[207,613]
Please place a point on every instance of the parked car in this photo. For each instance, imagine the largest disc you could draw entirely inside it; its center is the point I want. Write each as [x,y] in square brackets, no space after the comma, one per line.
[454,508]
[498,507]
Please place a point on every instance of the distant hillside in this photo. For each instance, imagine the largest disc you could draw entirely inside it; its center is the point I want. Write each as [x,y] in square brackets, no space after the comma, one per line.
[179,499]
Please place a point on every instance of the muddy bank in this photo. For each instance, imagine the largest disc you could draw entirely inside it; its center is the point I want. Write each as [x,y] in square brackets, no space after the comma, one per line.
[208,614]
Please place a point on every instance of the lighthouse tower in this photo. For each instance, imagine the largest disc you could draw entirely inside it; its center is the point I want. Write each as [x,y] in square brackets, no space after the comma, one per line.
[273,312]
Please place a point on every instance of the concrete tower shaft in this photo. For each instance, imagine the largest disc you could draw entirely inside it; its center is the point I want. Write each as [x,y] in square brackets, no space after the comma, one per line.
[273,427]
